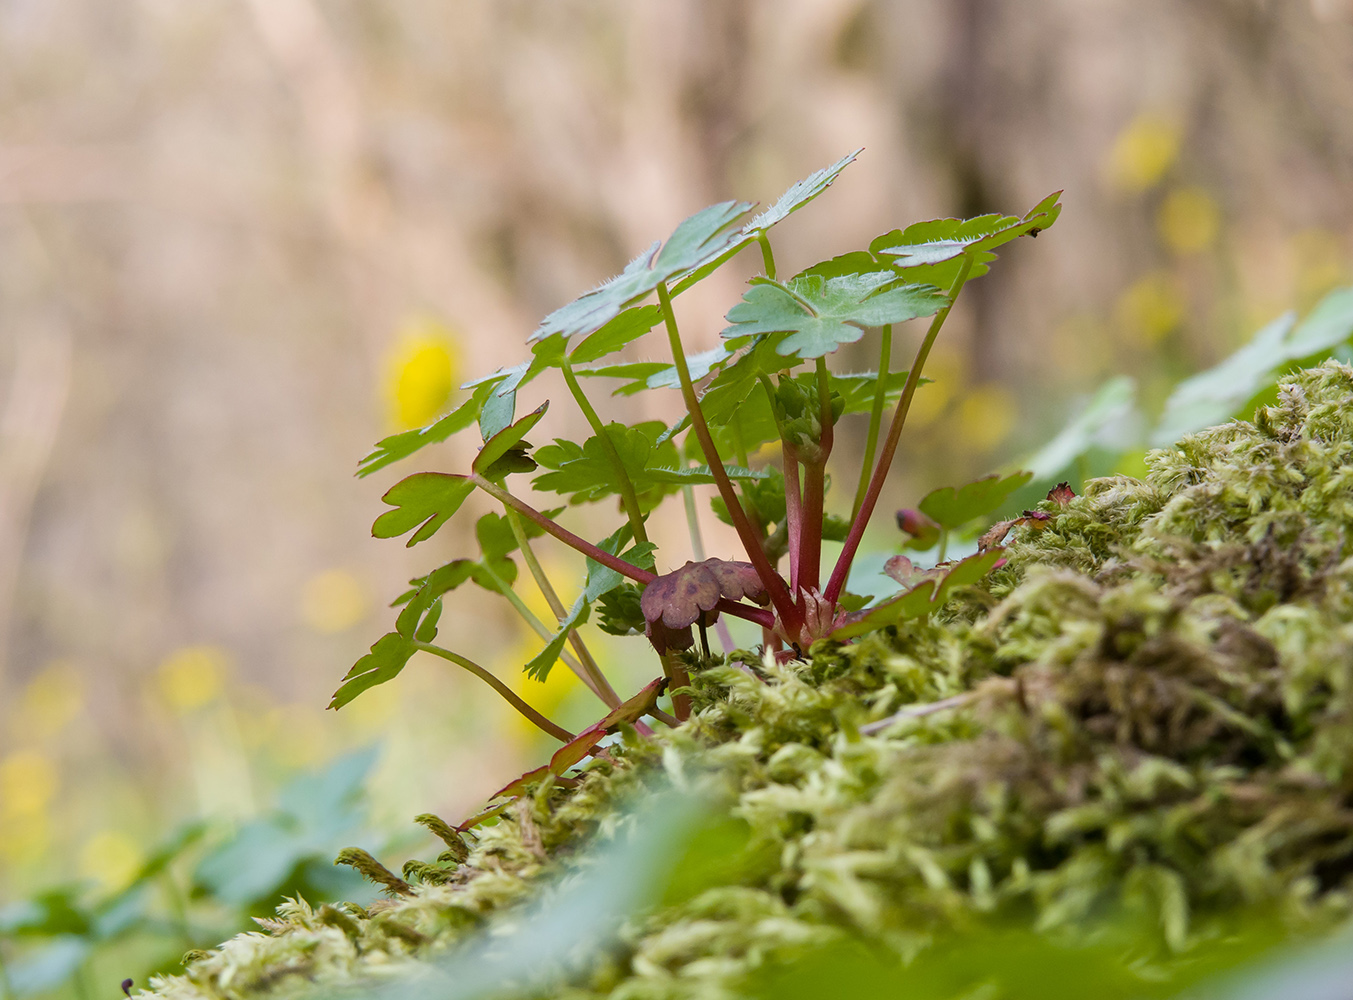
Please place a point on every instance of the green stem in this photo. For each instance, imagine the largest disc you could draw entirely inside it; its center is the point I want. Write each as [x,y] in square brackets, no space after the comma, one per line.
[628,497]
[875,418]
[838,579]
[510,696]
[600,684]
[545,632]
[779,593]
[767,257]
[600,555]
[944,545]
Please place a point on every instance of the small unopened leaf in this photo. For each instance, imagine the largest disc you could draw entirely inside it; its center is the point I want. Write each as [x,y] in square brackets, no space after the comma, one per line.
[678,599]
[952,508]
[427,499]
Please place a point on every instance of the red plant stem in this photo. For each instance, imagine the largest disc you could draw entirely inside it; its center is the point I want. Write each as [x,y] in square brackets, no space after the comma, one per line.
[875,417]
[759,616]
[815,486]
[779,593]
[564,535]
[838,578]
[793,511]
[810,535]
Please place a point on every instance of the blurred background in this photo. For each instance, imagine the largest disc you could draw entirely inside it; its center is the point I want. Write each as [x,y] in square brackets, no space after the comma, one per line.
[241,240]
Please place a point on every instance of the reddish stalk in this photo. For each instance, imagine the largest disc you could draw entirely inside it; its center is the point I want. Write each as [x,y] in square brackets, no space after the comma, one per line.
[779,593]
[838,578]
[815,487]
[793,512]
[564,535]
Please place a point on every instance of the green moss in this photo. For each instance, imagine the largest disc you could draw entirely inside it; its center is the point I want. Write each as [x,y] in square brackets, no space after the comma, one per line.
[1159,691]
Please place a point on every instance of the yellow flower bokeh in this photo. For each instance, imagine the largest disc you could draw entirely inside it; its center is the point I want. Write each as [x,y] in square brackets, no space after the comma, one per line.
[28,782]
[1143,152]
[52,700]
[985,415]
[1189,220]
[1151,308]
[422,369]
[333,601]
[111,858]
[192,677]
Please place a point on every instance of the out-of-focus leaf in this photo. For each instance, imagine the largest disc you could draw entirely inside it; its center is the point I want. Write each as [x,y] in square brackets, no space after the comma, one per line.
[315,814]
[616,878]
[540,664]
[50,913]
[425,498]
[952,508]
[702,235]
[1110,420]
[821,314]
[387,658]
[49,967]
[1222,391]
[400,446]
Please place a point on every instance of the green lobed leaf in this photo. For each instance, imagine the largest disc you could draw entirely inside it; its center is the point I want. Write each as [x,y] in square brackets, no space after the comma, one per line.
[506,440]
[952,508]
[629,325]
[931,251]
[636,374]
[431,587]
[702,235]
[795,197]
[584,473]
[400,446]
[425,498]
[386,659]
[540,664]
[820,314]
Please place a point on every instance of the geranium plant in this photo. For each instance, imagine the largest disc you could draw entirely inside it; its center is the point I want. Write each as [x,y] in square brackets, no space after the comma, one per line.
[768,380]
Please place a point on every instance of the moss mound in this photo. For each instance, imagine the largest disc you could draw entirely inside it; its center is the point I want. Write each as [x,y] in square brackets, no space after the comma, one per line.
[1146,710]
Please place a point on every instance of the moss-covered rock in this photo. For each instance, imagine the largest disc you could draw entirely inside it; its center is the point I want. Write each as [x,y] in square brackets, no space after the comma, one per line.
[1147,709]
